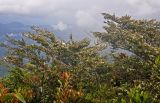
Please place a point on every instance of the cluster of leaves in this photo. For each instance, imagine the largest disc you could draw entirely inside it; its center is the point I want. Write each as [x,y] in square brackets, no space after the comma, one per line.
[10,97]
[46,69]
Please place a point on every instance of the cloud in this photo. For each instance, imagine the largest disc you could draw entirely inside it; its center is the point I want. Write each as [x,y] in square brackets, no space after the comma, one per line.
[144,8]
[60,26]
[69,7]
[11,35]
[29,7]
[84,19]
[84,14]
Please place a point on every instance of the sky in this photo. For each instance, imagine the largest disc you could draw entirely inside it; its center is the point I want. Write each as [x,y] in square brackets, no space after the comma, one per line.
[73,15]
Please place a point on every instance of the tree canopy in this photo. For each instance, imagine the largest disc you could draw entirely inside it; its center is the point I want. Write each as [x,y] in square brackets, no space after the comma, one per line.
[45,69]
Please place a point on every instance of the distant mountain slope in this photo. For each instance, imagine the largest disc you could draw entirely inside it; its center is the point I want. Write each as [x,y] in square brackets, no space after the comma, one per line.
[17,27]
[13,27]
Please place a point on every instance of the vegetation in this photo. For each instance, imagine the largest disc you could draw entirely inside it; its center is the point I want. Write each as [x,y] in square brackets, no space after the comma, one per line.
[44,69]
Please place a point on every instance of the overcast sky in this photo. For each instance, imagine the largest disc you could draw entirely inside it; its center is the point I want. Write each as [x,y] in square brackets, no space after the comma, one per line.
[73,14]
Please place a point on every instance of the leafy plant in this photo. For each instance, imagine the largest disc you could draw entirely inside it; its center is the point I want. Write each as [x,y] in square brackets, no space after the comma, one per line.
[137,95]
[7,97]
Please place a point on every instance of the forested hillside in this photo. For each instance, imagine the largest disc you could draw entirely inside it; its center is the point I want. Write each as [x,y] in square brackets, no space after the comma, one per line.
[50,70]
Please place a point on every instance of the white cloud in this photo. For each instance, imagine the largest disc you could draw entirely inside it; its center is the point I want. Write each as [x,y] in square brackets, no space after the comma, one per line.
[60,26]
[84,19]
[82,13]
[144,7]
[53,7]
[30,7]
[12,35]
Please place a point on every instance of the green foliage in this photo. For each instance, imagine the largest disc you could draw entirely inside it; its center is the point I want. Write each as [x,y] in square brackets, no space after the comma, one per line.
[6,97]
[38,60]
[137,95]
[46,69]
[20,97]
[140,38]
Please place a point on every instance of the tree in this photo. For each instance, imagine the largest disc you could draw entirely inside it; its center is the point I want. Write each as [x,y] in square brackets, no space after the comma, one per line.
[50,68]
[142,39]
